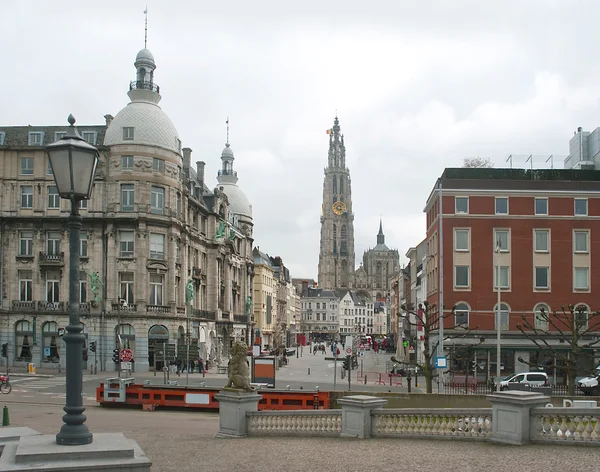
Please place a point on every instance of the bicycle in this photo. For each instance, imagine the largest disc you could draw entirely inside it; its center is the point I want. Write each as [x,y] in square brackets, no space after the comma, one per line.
[5,386]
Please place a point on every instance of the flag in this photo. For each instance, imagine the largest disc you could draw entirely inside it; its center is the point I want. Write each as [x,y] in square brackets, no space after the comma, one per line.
[329,131]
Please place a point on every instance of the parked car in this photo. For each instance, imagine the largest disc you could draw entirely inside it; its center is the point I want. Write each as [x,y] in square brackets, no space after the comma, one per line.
[590,385]
[533,379]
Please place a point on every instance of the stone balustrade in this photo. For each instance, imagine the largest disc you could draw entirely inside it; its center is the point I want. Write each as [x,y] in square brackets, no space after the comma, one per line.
[565,425]
[295,423]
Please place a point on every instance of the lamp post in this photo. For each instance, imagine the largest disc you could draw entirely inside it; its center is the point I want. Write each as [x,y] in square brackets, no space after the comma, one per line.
[73,163]
[498,337]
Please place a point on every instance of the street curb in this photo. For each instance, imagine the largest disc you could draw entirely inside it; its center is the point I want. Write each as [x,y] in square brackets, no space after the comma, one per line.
[33,376]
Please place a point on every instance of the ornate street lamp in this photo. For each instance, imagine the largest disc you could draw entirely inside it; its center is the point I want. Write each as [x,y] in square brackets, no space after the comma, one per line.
[73,163]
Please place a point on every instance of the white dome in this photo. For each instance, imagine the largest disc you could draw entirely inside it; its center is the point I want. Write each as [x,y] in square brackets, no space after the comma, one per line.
[151,126]
[238,202]
[144,55]
[227,151]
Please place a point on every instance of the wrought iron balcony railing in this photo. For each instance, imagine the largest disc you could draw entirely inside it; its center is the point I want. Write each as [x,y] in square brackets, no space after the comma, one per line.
[143,85]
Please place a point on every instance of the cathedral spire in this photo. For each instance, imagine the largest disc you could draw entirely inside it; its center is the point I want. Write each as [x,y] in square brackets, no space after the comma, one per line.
[380,235]
[337,150]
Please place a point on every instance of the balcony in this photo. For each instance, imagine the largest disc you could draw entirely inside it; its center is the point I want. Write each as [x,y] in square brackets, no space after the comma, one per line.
[126,307]
[52,259]
[225,316]
[233,173]
[144,85]
[204,315]
[83,307]
[51,306]
[181,310]
[240,319]
[18,305]
[158,309]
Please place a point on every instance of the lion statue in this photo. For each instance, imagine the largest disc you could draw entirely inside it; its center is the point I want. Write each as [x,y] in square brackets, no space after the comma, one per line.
[238,368]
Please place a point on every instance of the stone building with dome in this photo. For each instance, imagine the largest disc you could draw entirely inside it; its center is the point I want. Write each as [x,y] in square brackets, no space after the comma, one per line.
[152,230]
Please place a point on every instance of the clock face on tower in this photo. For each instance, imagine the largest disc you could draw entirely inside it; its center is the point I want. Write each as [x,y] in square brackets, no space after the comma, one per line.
[338,208]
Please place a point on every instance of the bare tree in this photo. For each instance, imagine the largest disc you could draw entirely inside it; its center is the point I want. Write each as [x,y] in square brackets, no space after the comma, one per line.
[427,318]
[477,162]
[573,327]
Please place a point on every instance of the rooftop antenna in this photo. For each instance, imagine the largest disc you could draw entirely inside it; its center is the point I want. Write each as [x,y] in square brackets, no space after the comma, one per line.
[509,158]
[551,159]
[530,159]
[146,28]
[227,123]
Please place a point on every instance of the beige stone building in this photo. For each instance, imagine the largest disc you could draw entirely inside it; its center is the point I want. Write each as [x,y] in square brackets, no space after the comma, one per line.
[152,228]
[265,293]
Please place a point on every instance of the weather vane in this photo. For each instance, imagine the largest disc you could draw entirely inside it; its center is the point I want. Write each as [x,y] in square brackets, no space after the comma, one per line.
[146,28]
[227,123]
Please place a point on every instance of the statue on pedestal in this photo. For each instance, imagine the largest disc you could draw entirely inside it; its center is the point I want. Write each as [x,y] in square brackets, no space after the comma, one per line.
[239,373]
[220,231]
[248,304]
[189,291]
[95,284]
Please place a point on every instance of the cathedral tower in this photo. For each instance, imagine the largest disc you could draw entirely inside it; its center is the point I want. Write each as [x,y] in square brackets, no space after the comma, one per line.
[336,255]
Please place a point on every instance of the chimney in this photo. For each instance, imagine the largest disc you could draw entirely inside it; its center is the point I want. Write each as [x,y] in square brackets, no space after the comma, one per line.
[304,287]
[108,119]
[187,160]
[200,170]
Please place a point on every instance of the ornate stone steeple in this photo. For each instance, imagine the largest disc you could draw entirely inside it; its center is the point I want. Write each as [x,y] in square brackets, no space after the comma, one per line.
[336,256]
[380,235]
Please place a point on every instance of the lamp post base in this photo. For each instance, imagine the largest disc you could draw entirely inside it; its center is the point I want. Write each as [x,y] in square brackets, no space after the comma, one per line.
[74,435]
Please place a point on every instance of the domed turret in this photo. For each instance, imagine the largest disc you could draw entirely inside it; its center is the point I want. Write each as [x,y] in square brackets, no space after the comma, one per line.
[227,178]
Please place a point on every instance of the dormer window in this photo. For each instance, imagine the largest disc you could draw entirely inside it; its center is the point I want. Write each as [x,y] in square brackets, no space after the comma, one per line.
[89,137]
[36,138]
[127,133]
[58,135]
[178,144]
[2,135]
[158,165]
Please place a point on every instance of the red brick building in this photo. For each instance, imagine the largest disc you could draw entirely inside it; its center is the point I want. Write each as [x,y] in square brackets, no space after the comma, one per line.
[547,226]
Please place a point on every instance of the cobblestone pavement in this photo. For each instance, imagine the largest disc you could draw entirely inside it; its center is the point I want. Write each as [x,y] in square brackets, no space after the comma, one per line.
[185,441]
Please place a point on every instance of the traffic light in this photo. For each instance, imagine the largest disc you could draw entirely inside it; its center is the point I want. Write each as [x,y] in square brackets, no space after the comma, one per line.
[5,350]
[116,358]
[346,363]
[405,343]
[93,346]
[473,365]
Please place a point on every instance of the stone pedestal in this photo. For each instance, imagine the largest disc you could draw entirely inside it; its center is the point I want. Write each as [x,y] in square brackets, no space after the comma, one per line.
[233,406]
[110,452]
[356,415]
[14,434]
[511,415]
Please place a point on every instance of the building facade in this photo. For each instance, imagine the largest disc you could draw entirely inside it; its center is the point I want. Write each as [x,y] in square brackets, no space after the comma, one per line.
[336,253]
[152,232]
[532,232]
[319,314]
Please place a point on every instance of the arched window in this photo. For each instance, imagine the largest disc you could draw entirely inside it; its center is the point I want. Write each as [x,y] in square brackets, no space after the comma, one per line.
[334,184]
[343,248]
[23,341]
[343,232]
[341,184]
[334,232]
[334,247]
[461,315]
[50,344]
[504,314]
[541,312]
[581,316]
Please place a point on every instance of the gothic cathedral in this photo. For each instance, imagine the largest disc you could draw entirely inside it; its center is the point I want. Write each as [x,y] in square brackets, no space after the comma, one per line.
[336,255]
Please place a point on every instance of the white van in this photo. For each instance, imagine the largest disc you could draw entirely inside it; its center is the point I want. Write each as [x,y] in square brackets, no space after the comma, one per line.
[533,379]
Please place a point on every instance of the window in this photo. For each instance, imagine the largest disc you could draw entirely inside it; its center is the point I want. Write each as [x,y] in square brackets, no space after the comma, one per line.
[581,278]
[501,240]
[541,240]
[23,341]
[461,276]
[26,243]
[26,196]
[127,197]
[25,286]
[50,344]
[541,206]
[59,135]
[83,244]
[156,289]
[89,137]
[581,241]
[83,204]
[504,311]
[53,197]
[26,164]
[541,313]
[501,205]
[542,277]
[504,277]
[52,287]
[2,136]
[82,287]
[53,242]
[157,246]
[461,315]
[461,239]
[461,204]
[158,165]
[157,200]
[36,138]
[126,283]
[127,162]
[49,168]
[178,205]
[127,133]
[581,208]
[581,316]
[126,243]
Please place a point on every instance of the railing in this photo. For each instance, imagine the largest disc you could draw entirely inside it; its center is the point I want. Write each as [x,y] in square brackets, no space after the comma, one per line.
[51,306]
[144,85]
[240,318]
[159,309]
[18,305]
[473,387]
[130,307]
[225,316]
[471,423]
[227,172]
[203,314]
[51,257]
[181,310]
[295,423]
[566,425]
[83,307]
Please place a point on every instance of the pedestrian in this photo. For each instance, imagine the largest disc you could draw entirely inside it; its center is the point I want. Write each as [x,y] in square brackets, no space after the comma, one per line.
[200,366]
[191,367]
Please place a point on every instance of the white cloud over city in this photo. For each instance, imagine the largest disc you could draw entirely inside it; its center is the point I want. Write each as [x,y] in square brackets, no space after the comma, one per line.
[417,86]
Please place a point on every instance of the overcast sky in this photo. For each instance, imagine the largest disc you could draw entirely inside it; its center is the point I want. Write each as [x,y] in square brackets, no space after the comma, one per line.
[417,85]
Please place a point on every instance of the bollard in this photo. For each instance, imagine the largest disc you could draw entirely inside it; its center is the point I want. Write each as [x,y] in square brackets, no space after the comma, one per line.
[309,371]
[5,420]
[365,380]
[409,383]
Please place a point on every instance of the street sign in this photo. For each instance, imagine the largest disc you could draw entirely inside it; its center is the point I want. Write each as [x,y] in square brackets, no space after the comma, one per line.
[362,353]
[349,351]
[441,362]
[125,365]
[61,332]
[126,355]
[411,349]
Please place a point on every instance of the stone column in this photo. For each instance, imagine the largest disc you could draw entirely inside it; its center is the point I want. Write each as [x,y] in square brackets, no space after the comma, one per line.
[233,406]
[511,421]
[356,415]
